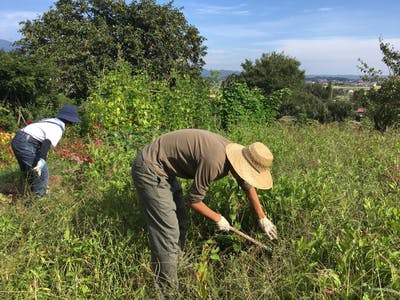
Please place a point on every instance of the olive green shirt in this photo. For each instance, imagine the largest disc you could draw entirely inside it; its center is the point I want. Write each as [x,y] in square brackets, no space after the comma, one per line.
[193,154]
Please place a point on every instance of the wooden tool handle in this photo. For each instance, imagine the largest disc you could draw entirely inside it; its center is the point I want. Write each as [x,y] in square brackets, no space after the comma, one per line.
[249,238]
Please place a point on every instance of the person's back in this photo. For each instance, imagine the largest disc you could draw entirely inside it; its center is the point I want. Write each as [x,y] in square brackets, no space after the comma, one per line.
[179,153]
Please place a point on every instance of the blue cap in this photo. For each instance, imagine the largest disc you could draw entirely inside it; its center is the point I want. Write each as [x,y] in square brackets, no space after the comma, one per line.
[69,113]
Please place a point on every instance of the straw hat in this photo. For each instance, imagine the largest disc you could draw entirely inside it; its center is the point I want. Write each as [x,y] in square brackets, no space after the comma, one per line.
[252,163]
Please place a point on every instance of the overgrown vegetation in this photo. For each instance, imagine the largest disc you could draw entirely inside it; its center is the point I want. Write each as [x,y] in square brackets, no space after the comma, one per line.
[335,203]
[336,180]
[383,103]
[124,102]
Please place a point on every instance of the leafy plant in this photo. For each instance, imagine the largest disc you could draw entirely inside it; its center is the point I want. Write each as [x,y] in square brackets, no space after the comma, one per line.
[334,202]
[203,272]
[76,151]
[383,105]
[131,104]
[238,103]
[122,101]
[6,153]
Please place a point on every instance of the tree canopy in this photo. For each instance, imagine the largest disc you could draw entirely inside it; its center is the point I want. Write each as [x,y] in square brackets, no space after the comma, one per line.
[23,79]
[272,72]
[86,37]
[384,101]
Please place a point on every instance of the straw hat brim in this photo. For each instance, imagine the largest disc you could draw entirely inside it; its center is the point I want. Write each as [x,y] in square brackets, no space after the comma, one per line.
[260,180]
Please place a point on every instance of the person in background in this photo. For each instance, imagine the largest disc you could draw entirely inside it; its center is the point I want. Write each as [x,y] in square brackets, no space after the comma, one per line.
[204,157]
[32,143]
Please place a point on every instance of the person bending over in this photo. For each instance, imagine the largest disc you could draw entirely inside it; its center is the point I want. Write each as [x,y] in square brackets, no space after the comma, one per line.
[32,143]
[204,157]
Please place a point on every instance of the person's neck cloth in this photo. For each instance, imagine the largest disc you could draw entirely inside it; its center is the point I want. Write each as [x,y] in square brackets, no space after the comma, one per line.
[61,123]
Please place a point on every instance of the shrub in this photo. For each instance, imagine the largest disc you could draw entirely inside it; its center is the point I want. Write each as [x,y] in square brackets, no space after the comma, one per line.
[238,104]
[7,120]
[136,104]
[6,153]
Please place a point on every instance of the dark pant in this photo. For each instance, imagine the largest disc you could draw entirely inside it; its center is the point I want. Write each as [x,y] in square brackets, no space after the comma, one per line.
[165,214]
[26,151]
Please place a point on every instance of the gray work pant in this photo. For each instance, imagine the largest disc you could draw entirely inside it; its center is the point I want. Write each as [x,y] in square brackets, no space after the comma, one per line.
[165,214]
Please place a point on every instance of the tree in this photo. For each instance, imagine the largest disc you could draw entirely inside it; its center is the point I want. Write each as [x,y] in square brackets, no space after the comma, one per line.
[304,105]
[24,79]
[339,110]
[384,103]
[360,98]
[384,106]
[87,37]
[319,90]
[272,72]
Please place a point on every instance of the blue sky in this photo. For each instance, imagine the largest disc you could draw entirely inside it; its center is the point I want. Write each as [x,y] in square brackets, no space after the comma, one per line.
[327,37]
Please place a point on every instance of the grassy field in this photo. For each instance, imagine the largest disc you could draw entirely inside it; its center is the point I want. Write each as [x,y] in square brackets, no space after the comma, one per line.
[335,202]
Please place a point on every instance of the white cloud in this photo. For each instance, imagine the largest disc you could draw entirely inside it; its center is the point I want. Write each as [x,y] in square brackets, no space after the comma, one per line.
[324,9]
[230,59]
[335,55]
[222,10]
[317,56]
[318,10]
[9,23]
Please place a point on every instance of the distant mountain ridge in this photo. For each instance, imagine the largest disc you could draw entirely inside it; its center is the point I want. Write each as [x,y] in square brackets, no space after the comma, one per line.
[223,74]
[6,45]
[339,76]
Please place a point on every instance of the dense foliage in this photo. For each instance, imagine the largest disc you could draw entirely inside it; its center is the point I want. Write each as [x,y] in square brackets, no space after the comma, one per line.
[27,88]
[132,69]
[335,203]
[272,72]
[384,102]
[125,102]
[23,79]
[238,103]
[276,72]
[85,37]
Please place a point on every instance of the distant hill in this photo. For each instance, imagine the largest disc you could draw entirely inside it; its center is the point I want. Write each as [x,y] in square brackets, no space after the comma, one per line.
[223,74]
[6,45]
[334,77]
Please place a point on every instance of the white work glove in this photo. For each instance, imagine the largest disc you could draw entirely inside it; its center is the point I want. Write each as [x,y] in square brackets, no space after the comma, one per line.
[223,224]
[39,166]
[268,227]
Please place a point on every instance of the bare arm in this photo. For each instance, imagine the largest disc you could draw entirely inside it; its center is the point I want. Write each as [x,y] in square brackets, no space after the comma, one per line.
[266,225]
[251,195]
[255,202]
[203,209]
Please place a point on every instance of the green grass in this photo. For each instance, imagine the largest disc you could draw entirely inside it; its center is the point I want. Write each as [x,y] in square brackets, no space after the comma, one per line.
[335,202]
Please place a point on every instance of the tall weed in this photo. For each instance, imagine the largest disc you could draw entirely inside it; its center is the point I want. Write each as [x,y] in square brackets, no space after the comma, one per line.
[335,202]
